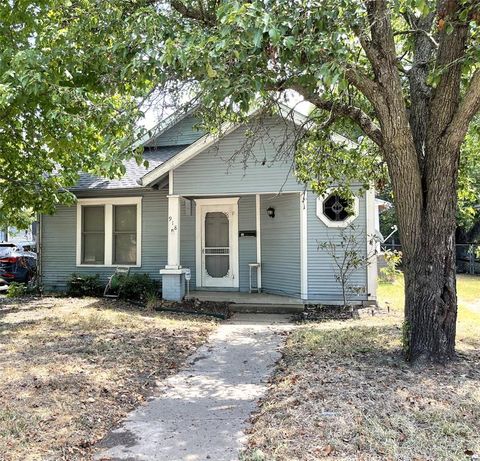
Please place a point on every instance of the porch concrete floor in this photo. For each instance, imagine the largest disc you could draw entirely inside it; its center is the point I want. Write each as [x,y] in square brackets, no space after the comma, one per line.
[245,298]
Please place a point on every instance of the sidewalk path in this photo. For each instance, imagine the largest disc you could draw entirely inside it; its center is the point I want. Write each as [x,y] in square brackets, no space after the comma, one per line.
[201,412]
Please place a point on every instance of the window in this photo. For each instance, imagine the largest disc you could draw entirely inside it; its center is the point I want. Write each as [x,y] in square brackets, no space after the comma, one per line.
[336,208]
[108,231]
[93,235]
[336,211]
[124,234]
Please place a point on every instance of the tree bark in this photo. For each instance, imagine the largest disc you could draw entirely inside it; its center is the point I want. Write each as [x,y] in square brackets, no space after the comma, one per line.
[429,262]
[430,298]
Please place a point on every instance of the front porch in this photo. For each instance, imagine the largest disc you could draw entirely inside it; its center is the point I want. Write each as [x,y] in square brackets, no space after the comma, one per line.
[251,302]
[223,247]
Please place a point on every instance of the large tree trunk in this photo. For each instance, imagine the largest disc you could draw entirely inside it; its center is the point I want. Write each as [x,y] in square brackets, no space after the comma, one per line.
[430,299]
[429,257]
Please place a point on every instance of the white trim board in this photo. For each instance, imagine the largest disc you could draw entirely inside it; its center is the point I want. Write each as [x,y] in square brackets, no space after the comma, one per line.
[108,203]
[304,245]
[259,239]
[239,194]
[372,268]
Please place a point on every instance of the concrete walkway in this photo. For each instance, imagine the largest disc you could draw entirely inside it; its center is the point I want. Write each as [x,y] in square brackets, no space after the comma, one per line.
[201,412]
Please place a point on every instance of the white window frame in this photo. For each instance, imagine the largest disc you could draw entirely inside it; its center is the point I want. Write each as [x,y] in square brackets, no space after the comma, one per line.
[109,203]
[338,224]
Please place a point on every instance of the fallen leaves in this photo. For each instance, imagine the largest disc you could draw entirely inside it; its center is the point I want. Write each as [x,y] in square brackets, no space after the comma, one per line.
[341,391]
[72,368]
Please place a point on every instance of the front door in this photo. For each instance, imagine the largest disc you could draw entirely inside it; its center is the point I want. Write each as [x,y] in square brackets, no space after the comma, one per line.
[217,242]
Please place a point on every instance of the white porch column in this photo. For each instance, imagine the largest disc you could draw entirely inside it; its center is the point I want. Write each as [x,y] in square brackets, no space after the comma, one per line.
[304,245]
[173,232]
[173,276]
[259,240]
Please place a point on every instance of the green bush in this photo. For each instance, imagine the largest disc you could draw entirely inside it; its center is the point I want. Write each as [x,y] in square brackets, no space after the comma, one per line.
[389,272]
[136,287]
[84,285]
[17,290]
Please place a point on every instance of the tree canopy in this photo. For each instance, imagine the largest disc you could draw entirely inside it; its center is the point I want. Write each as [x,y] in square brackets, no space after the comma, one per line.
[68,99]
[402,78]
[405,74]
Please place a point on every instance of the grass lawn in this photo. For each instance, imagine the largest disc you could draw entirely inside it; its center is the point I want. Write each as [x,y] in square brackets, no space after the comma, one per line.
[343,392]
[70,369]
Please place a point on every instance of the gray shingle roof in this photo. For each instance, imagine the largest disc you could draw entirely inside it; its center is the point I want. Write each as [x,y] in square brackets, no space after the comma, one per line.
[134,171]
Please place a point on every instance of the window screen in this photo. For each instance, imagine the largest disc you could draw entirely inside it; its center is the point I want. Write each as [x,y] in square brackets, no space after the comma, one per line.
[93,234]
[124,234]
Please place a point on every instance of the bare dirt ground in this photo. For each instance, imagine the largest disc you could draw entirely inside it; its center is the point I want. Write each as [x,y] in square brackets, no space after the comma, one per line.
[70,369]
[343,392]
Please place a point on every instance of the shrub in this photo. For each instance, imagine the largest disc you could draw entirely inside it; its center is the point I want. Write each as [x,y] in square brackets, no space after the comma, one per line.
[84,285]
[393,260]
[17,290]
[136,287]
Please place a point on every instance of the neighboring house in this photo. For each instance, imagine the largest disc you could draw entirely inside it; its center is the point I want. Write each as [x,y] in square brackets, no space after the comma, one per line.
[201,206]
[12,234]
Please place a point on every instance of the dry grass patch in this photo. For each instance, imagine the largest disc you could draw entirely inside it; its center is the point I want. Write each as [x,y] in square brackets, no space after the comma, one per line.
[72,368]
[343,392]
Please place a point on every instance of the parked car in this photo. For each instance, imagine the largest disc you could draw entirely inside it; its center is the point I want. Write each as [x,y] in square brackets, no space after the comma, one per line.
[18,261]
[3,285]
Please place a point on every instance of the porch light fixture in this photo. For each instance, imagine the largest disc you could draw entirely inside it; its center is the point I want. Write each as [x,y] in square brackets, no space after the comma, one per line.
[271,211]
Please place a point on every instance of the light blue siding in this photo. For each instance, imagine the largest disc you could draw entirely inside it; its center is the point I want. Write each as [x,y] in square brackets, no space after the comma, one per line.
[187,241]
[280,243]
[247,246]
[223,171]
[322,285]
[59,242]
[226,169]
[183,133]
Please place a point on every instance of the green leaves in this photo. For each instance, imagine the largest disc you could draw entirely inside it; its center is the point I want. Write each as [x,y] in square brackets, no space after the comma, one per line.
[65,106]
[211,72]
[469,179]
[274,35]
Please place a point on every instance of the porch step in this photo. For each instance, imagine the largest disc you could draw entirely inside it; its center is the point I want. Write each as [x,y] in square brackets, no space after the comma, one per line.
[263,308]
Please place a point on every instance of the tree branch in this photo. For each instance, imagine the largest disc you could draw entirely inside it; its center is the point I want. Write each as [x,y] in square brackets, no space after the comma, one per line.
[191,13]
[451,50]
[354,113]
[467,109]
[368,87]
[419,31]
[420,92]
[382,42]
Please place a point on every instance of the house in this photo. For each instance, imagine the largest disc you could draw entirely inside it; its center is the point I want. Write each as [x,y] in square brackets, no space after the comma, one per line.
[12,234]
[202,210]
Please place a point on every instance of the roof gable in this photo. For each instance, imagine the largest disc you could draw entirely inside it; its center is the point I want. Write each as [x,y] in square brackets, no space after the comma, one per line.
[161,143]
[183,132]
[209,140]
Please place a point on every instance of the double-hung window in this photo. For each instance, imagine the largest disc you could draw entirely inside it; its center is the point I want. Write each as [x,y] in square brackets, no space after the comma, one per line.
[93,234]
[109,231]
[124,234]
